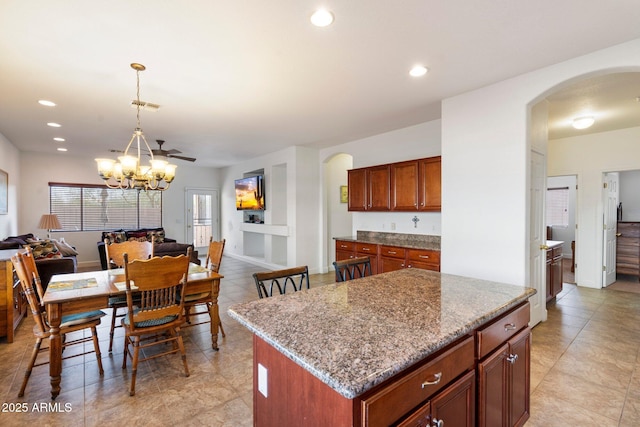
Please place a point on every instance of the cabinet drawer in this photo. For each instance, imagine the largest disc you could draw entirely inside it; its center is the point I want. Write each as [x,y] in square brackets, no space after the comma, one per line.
[395,400]
[367,248]
[557,252]
[491,336]
[424,255]
[343,245]
[392,251]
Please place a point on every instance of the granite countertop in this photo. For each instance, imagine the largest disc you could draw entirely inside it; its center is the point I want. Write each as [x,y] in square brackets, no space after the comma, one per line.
[356,334]
[412,241]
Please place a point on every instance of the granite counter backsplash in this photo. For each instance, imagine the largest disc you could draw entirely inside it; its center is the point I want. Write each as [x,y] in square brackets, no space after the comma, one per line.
[417,241]
[356,334]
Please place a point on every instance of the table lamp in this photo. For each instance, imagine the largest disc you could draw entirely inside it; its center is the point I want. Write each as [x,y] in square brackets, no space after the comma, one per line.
[49,222]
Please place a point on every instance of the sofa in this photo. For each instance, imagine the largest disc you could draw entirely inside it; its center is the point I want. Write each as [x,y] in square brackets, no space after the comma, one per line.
[51,256]
[163,246]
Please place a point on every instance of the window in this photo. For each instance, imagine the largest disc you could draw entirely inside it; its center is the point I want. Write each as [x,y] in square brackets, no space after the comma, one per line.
[83,207]
[558,207]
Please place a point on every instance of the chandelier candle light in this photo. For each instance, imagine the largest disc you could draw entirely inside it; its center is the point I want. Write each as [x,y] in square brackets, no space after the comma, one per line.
[128,172]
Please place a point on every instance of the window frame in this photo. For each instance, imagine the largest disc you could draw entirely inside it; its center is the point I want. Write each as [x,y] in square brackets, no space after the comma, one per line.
[83,221]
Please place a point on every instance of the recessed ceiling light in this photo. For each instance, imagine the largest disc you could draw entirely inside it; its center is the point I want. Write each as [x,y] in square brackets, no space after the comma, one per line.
[54,125]
[322,18]
[62,149]
[583,122]
[59,139]
[47,103]
[418,70]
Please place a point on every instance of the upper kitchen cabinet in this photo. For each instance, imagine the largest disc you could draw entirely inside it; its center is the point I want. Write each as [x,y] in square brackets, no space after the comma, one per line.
[413,185]
[369,188]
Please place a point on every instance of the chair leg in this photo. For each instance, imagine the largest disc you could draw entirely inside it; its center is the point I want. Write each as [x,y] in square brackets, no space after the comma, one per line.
[134,365]
[32,361]
[220,326]
[113,327]
[187,311]
[126,352]
[182,352]
[96,347]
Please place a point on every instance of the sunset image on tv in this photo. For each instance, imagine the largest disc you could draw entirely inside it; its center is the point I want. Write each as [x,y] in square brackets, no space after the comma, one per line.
[249,193]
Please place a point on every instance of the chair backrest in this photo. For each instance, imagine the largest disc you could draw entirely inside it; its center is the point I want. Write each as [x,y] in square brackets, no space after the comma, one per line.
[160,283]
[29,262]
[293,278]
[135,250]
[352,268]
[20,263]
[214,255]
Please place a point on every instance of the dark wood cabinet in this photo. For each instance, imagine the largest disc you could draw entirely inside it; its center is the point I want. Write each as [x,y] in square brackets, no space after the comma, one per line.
[13,303]
[357,184]
[504,374]
[369,189]
[430,184]
[393,258]
[413,185]
[628,248]
[554,271]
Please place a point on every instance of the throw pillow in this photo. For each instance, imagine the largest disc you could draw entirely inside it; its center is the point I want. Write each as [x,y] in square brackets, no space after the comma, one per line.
[116,236]
[157,234]
[138,236]
[44,249]
[64,248]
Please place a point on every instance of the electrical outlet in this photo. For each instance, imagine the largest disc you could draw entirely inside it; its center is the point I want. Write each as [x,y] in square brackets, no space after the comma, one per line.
[393,225]
[262,380]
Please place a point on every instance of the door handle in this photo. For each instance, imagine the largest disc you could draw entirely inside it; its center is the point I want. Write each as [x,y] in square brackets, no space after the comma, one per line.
[544,247]
[618,234]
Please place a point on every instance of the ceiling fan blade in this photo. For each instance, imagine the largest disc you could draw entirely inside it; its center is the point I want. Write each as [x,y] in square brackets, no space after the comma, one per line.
[188,159]
[172,151]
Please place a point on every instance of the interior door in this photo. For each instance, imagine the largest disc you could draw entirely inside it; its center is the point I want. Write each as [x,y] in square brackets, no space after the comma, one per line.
[538,238]
[203,212]
[611,195]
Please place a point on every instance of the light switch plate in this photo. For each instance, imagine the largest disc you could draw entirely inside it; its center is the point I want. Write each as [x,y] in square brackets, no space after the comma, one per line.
[262,380]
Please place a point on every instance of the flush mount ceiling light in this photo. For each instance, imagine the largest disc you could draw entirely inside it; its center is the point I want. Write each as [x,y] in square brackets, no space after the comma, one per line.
[418,70]
[583,122]
[128,172]
[47,103]
[59,139]
[54,125]
[322,18]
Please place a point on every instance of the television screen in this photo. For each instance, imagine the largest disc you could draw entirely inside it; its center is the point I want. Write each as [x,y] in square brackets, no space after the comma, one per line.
[250,193]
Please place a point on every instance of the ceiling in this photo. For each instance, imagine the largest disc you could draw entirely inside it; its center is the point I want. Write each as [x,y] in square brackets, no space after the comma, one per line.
[239,79]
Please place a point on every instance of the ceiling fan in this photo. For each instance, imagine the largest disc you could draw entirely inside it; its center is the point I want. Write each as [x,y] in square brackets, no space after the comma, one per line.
[159,152]
[170,153]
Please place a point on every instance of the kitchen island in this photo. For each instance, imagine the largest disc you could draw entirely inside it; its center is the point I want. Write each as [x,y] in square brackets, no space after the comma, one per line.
[382,349]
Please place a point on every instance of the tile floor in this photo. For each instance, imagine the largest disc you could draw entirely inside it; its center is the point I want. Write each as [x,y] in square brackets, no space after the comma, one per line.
[585,369]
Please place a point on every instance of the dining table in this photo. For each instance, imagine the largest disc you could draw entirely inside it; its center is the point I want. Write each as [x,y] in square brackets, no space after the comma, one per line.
[72,293]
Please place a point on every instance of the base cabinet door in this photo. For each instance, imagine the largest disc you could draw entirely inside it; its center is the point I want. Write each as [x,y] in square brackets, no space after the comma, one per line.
[455,406]
[504,383]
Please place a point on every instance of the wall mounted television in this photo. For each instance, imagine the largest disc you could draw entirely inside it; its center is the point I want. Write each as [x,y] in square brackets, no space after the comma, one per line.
[250,193]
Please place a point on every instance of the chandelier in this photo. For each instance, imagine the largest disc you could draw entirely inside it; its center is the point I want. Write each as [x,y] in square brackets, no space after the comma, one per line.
[128,172]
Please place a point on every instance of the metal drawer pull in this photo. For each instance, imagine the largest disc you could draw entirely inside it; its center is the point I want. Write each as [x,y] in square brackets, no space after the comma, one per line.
[392,252]
[509,327]
[437,376]
[512,358]
[437,423]
[366,249]
[424,256]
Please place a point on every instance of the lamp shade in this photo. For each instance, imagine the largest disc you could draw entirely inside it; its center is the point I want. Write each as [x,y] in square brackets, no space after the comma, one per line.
[49,222]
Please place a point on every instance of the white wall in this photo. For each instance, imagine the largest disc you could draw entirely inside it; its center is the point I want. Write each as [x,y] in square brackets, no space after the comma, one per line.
[300,167]
[485,167]
[38,169]
[589,157]
[9,162]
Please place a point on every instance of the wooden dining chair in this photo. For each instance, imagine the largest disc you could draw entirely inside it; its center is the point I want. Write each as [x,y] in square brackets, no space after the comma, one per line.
[212,262]
[115,259]
[28,277]
[293,279]
[158,314]
[352,268]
